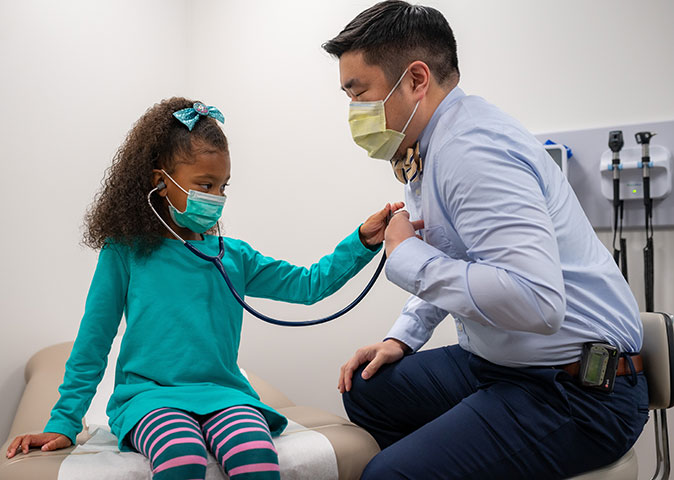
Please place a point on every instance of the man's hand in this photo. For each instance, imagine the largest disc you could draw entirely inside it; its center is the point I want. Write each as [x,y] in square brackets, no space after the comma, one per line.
[372,231]
[379,354]
[48,441]
[400,229]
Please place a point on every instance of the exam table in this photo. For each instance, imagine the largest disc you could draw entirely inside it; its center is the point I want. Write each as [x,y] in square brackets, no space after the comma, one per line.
[346,448]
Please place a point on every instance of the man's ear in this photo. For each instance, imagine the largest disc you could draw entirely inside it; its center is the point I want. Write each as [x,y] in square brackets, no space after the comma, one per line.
[421,78]
[159,179]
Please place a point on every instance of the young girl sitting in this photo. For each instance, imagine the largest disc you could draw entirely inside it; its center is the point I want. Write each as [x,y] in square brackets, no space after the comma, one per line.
[178,389]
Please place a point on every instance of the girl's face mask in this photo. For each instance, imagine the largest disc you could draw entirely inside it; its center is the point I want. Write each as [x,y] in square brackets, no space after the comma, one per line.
[202,211]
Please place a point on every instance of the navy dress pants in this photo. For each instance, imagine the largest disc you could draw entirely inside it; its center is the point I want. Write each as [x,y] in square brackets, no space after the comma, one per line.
[448,414]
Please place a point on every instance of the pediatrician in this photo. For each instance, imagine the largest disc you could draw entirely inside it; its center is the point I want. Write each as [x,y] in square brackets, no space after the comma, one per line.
[508,252]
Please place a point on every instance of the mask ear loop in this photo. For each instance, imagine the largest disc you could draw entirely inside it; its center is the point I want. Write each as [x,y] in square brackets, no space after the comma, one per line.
[169,201]
[177,185]
[149,202]
[395,86]
[411,117]
[391,93]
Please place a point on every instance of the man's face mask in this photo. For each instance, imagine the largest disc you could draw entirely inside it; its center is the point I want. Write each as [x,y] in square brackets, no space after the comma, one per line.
[202,211]
[368,127]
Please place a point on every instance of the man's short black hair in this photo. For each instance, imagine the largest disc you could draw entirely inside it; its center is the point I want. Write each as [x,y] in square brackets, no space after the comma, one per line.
[392,34]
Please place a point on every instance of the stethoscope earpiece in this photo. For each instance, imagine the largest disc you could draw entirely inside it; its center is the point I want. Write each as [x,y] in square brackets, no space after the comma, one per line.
[161,185]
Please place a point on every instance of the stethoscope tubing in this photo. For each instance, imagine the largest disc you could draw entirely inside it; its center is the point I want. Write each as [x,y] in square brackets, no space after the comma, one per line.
[217,261]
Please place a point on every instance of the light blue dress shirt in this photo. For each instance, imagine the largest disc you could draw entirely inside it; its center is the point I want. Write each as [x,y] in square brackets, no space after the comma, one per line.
[507,248]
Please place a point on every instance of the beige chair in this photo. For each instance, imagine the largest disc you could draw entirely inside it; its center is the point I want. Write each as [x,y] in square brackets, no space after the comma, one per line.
[658,353]
[352,445]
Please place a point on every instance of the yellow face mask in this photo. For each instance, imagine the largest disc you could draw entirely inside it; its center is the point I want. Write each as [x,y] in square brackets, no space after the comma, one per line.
[367,121]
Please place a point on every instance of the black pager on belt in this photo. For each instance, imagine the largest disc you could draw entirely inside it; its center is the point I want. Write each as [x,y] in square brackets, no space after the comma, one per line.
[598,366]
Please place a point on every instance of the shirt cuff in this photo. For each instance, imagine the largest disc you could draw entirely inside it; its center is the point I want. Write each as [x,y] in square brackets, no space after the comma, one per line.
[410,332]
[407,260]
[54,426]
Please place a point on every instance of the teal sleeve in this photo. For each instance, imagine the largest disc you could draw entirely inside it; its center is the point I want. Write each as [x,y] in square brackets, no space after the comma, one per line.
[279,280]
[88,359]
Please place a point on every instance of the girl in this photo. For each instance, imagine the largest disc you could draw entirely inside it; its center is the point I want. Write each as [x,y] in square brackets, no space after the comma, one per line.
[178,389]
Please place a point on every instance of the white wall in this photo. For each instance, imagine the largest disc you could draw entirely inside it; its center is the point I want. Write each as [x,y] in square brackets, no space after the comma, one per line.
[299,183]
[74,77]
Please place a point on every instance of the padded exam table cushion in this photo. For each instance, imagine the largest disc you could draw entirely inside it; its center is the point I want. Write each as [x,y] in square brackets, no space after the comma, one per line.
[353,447]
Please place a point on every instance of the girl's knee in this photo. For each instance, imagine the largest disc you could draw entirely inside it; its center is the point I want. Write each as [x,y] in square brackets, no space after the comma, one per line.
[251,455]
[242,443]
[180,458]
[171,439]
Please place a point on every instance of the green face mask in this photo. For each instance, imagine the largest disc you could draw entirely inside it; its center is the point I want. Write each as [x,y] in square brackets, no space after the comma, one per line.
[367,121]
[202,211]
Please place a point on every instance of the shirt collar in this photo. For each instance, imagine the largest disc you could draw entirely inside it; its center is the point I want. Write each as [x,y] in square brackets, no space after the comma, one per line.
[425,138]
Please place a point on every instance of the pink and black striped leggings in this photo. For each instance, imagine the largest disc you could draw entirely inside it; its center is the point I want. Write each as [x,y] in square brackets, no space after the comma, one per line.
[175,441]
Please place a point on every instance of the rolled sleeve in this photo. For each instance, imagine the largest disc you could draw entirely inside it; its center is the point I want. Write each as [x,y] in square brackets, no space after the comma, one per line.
[416,323]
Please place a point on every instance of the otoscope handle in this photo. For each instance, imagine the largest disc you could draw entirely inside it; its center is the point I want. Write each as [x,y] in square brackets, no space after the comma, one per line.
[623,257]
[649,274]
[616,192]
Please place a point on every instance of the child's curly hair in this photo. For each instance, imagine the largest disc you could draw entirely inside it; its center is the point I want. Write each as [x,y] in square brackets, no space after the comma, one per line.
[120,212]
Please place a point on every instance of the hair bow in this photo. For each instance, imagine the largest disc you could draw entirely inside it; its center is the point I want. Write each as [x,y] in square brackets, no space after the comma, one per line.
[189,116]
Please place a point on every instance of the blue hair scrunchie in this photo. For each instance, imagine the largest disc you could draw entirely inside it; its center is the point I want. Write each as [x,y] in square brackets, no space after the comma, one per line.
[189,116]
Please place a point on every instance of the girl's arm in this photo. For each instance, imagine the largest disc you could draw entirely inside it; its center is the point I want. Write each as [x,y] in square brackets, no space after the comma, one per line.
[280,280]
[88,359]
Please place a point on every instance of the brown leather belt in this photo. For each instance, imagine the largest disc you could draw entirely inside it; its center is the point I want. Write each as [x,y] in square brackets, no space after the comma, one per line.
[623,367]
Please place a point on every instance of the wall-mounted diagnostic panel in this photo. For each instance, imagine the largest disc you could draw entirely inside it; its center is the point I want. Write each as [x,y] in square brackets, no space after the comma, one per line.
[592,175]
[631,175]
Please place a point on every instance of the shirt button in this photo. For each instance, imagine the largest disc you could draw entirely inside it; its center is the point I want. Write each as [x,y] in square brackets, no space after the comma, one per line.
[459,326]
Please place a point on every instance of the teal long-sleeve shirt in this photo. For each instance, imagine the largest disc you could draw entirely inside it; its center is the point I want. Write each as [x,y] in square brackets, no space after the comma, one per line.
[183,328]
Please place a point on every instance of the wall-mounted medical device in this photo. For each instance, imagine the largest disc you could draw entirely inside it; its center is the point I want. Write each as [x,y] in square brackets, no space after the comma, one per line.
[560,155]
[593,183]
[631,178]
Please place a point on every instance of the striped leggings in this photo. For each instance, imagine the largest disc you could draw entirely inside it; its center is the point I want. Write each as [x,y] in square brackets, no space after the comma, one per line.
[175,441]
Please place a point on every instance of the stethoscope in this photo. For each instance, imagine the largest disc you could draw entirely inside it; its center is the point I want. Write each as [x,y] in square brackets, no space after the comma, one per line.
[217,261]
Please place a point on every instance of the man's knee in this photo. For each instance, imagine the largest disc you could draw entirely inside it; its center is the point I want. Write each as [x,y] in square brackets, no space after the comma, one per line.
[359,394]
[382,466]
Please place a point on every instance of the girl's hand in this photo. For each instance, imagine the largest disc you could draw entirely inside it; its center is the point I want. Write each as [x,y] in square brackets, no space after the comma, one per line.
[48,441]
[372,231]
